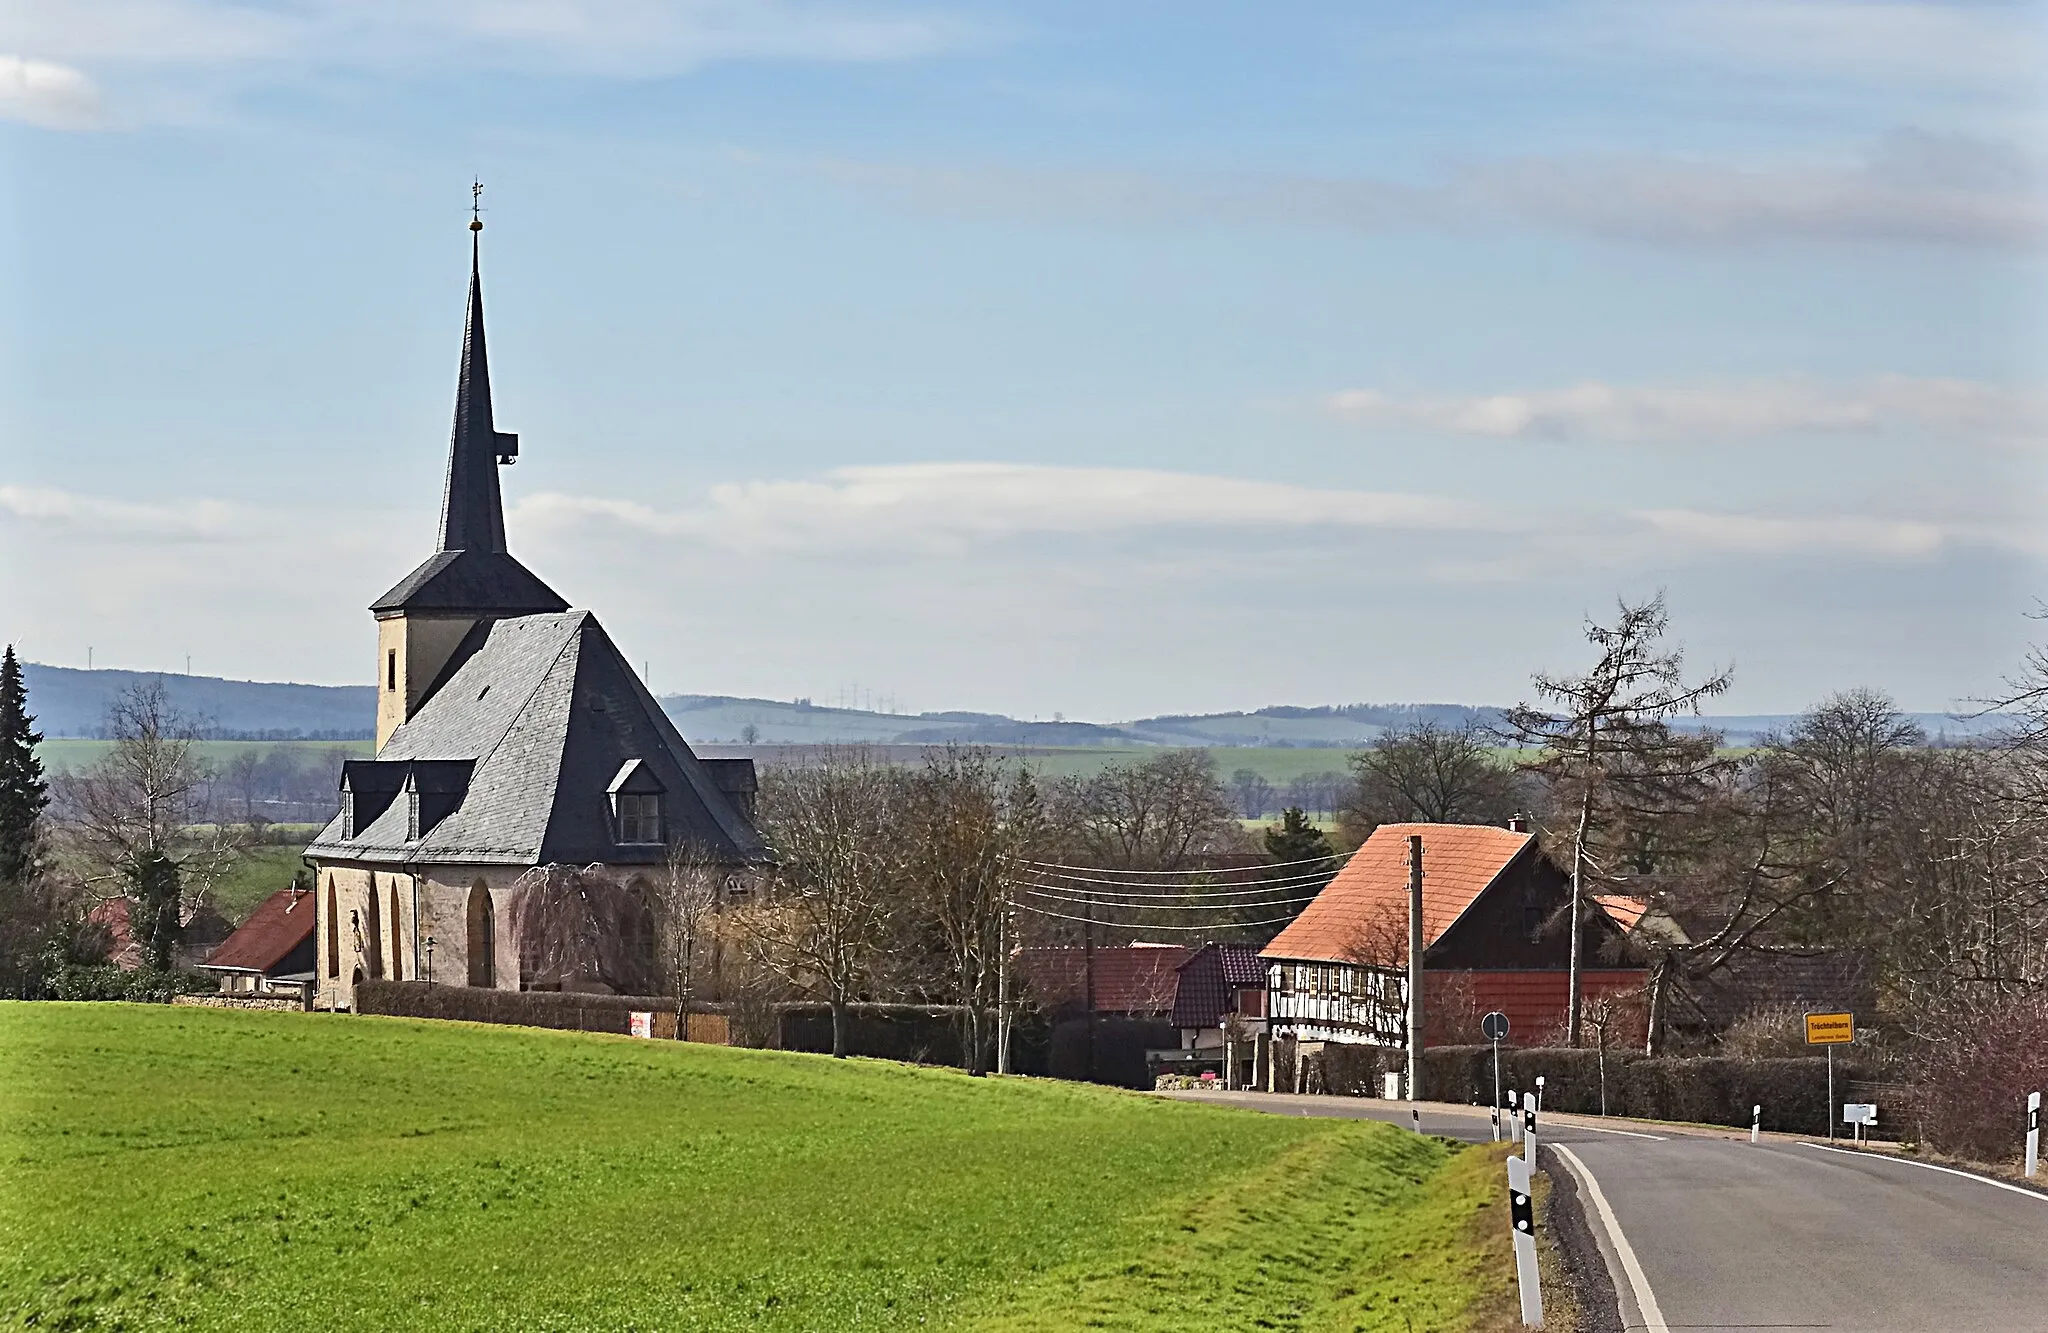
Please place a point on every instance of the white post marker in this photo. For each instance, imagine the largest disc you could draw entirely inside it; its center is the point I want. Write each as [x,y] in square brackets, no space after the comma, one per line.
[1756,1122]
[1539,1092]
[2033,1133]
[1514,1117]
[1529,1128]
[1522,1216]
[1417,1114]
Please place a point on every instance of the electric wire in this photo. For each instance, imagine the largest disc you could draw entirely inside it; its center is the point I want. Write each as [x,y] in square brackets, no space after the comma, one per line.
[1277,865]
[1154,892]
[1170,907]
[1219,925]
[1197,886]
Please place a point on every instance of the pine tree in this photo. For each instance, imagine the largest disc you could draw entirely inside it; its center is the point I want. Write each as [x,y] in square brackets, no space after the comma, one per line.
[1294,839]
[23,790]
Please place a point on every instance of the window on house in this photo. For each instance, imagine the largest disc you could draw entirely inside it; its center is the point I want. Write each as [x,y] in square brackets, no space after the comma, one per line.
[639,817]
[391,669]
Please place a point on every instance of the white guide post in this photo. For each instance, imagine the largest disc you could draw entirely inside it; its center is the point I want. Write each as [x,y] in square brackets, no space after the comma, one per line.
[1529,1128]
[1522,1216]
[1539,1092]
[1756,1122]
[1514,1116]
[2033,1133]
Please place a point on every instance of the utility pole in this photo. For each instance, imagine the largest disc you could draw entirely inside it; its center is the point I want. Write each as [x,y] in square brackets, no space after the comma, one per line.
[1088,981]
[1414,967]
[1003,985]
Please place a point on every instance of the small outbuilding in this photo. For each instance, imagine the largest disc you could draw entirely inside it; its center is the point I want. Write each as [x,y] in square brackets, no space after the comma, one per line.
[271,954]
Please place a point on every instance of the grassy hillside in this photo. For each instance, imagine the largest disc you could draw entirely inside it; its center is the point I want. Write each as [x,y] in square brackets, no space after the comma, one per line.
[195,1168]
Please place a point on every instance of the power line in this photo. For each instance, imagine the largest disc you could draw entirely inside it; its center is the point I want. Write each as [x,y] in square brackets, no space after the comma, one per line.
[1192,888]
[1213,926]
[1169,907]
[1277,865]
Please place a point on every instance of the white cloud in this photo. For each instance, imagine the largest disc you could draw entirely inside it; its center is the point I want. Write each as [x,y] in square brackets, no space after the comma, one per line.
[1944,43]
[947,504]
[1760,534]
[620,37]
[42,93]
[96,518]
[1953,409]
[1911,188]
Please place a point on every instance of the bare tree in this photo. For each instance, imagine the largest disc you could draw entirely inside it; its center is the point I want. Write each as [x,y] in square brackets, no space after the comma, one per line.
[1162,814]
[1609,755]
[963,821]
[689,891]
[136,816]
[578,927]
[1431,774]
[830,822]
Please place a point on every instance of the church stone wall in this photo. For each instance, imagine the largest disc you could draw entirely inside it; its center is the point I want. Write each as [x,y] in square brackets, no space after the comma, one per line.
[359,932]
[411,650]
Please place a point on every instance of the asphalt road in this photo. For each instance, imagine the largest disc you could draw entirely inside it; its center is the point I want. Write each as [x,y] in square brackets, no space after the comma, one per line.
[1707,1231]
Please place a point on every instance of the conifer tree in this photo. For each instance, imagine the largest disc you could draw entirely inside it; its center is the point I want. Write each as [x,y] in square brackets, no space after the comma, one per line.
[24,792]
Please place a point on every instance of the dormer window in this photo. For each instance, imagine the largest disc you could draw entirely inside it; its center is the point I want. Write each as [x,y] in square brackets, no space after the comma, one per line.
[639,817]
[635,795]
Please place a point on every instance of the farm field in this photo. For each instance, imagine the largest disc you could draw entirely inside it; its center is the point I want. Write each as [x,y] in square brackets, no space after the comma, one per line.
[70,754]
[201,1168]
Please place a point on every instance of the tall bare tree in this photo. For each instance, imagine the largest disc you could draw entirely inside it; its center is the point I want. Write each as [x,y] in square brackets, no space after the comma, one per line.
[964,819]
[1162,814]
[1431,774]
[1608,753]
[822,925]
[138,816]
[691,888]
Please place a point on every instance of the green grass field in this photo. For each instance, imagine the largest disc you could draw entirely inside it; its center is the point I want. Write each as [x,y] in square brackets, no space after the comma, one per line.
[191,1168]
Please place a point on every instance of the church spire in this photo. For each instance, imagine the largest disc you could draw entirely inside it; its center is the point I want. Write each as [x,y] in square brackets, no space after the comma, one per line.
[472,511]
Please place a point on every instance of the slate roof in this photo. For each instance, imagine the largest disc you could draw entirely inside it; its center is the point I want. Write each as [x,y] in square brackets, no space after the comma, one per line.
[1132,979]
[1369,896]
[281,923]
[470,583]
[472,573]
[548,710]
[1207,984]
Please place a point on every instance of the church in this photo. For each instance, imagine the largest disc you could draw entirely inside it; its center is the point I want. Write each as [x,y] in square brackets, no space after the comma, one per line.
[511,734]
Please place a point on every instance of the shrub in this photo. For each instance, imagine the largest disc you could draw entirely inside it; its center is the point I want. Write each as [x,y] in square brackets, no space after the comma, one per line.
[1971,1081]
[569,1010]
[1708,1090]
[77,981]
[1120,1046]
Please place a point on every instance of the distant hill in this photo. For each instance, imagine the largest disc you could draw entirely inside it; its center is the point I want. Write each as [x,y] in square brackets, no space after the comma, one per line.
[70,702]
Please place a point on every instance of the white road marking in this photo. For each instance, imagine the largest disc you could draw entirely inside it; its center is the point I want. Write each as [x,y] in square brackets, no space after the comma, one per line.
[1639,1285]
[1929,1166]
[1625,1133]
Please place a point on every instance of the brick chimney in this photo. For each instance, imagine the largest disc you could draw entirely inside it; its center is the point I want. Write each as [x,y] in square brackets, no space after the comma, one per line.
[1518,823]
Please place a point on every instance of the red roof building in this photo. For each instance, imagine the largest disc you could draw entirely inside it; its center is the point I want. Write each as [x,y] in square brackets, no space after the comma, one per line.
[1495,934]
[1130,981]
[272,952]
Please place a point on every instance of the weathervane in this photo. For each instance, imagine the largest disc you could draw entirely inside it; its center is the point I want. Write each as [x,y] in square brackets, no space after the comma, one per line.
[476,206]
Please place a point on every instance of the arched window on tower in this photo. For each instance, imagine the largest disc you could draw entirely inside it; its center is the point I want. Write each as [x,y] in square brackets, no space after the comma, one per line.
[483,937]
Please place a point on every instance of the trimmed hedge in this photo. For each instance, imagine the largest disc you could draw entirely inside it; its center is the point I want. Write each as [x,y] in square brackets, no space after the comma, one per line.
[1120,1046]
[1706,1090]
[531,1008]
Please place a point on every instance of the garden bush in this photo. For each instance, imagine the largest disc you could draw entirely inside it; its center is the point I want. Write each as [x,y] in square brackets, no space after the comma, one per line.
[104,981]
[1971,1082]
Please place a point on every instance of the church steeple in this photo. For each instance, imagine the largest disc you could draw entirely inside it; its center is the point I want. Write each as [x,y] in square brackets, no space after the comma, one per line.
[472,578]
[472,510]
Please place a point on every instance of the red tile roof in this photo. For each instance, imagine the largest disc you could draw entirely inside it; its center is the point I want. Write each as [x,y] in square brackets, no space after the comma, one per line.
[1134,979]
[1624,910]
[1365,908]
[280,923]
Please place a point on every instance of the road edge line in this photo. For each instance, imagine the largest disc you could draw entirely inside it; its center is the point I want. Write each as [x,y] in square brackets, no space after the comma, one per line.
[2035,1195]
[1639,1284]
[1602,1129]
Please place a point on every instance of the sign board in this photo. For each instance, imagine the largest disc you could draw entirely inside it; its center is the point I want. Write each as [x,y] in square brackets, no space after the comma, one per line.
[641,1024]
[1494,1026]
[1859,1113]
[1390,1087]
[1830,1029]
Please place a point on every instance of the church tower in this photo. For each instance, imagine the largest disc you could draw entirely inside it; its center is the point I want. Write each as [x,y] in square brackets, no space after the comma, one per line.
[472,577]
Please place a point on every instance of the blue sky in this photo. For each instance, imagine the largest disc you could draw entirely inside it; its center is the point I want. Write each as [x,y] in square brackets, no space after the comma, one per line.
[1105,360]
